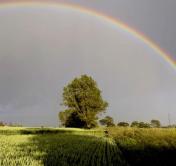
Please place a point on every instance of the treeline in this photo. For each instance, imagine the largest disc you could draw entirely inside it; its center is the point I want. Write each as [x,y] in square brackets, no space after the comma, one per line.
[9,124]
[153,123]
[109,122]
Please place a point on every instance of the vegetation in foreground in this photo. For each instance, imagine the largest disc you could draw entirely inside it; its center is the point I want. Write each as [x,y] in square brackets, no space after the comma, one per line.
[144,146]
[77,148]
[120,146]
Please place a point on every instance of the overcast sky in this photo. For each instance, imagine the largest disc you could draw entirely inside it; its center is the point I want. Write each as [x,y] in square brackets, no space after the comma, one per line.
[42,49]
[155,18]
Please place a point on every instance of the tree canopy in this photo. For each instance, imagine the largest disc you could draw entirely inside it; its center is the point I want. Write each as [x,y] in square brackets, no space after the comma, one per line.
[83,101]
[144,125]
[123,124]
[155,123]
[108,121]
[135,124]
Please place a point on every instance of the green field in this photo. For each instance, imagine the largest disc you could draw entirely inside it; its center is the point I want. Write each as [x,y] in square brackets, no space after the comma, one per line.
[63,147]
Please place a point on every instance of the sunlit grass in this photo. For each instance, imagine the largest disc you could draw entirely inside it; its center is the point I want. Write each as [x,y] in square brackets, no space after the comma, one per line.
[61,146]
[41,130]
[13,151]
[58,149]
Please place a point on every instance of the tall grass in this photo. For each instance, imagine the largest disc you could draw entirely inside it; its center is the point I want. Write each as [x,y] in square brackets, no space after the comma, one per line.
[14,151]
[76,147]
[38,130]
[153,146]
[63,149]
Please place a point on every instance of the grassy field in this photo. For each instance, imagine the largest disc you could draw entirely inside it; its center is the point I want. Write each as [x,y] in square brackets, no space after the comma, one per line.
[36,130]
[154,146]
[63,147]
[50,147]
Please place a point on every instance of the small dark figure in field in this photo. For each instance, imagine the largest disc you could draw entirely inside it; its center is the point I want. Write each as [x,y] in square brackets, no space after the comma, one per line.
[106,133]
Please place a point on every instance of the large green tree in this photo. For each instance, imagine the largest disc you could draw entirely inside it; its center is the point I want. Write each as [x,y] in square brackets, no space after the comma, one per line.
[83,99]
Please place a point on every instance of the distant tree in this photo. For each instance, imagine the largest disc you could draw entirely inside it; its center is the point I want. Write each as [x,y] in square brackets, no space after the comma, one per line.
[14,124]
[171,126]
[1,123]
[83,97]
[144,125]
[123,124]
[107,121]
[155,123]
[135,124]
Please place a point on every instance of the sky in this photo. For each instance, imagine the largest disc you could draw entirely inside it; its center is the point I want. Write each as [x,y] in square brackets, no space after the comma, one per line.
[154,18]
[42,49]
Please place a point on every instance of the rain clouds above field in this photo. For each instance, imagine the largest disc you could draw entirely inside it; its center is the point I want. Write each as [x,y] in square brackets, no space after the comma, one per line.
[42,49]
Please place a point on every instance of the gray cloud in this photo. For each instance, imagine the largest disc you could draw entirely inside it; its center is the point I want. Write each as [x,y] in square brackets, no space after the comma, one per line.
[41,50]
[155,18]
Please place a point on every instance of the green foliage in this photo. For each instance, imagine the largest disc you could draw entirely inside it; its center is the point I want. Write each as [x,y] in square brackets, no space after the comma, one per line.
[135,124]
[74,120]
[108,121]
[140,124]
[155,123]
[123,124]
[144,125]
[83,97]
[63,116]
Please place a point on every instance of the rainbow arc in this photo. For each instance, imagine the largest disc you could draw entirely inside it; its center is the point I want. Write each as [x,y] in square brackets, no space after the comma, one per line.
[140,36]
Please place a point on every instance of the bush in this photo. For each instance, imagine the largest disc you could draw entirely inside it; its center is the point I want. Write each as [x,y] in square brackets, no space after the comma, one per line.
[123,124]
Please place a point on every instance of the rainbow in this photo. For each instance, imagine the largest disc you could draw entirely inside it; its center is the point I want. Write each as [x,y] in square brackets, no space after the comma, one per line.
[140,36]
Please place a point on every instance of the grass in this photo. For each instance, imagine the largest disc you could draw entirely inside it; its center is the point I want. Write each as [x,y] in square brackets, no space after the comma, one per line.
[51,149]
[14,151]
[78,147]
[40,130]
[146,146]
